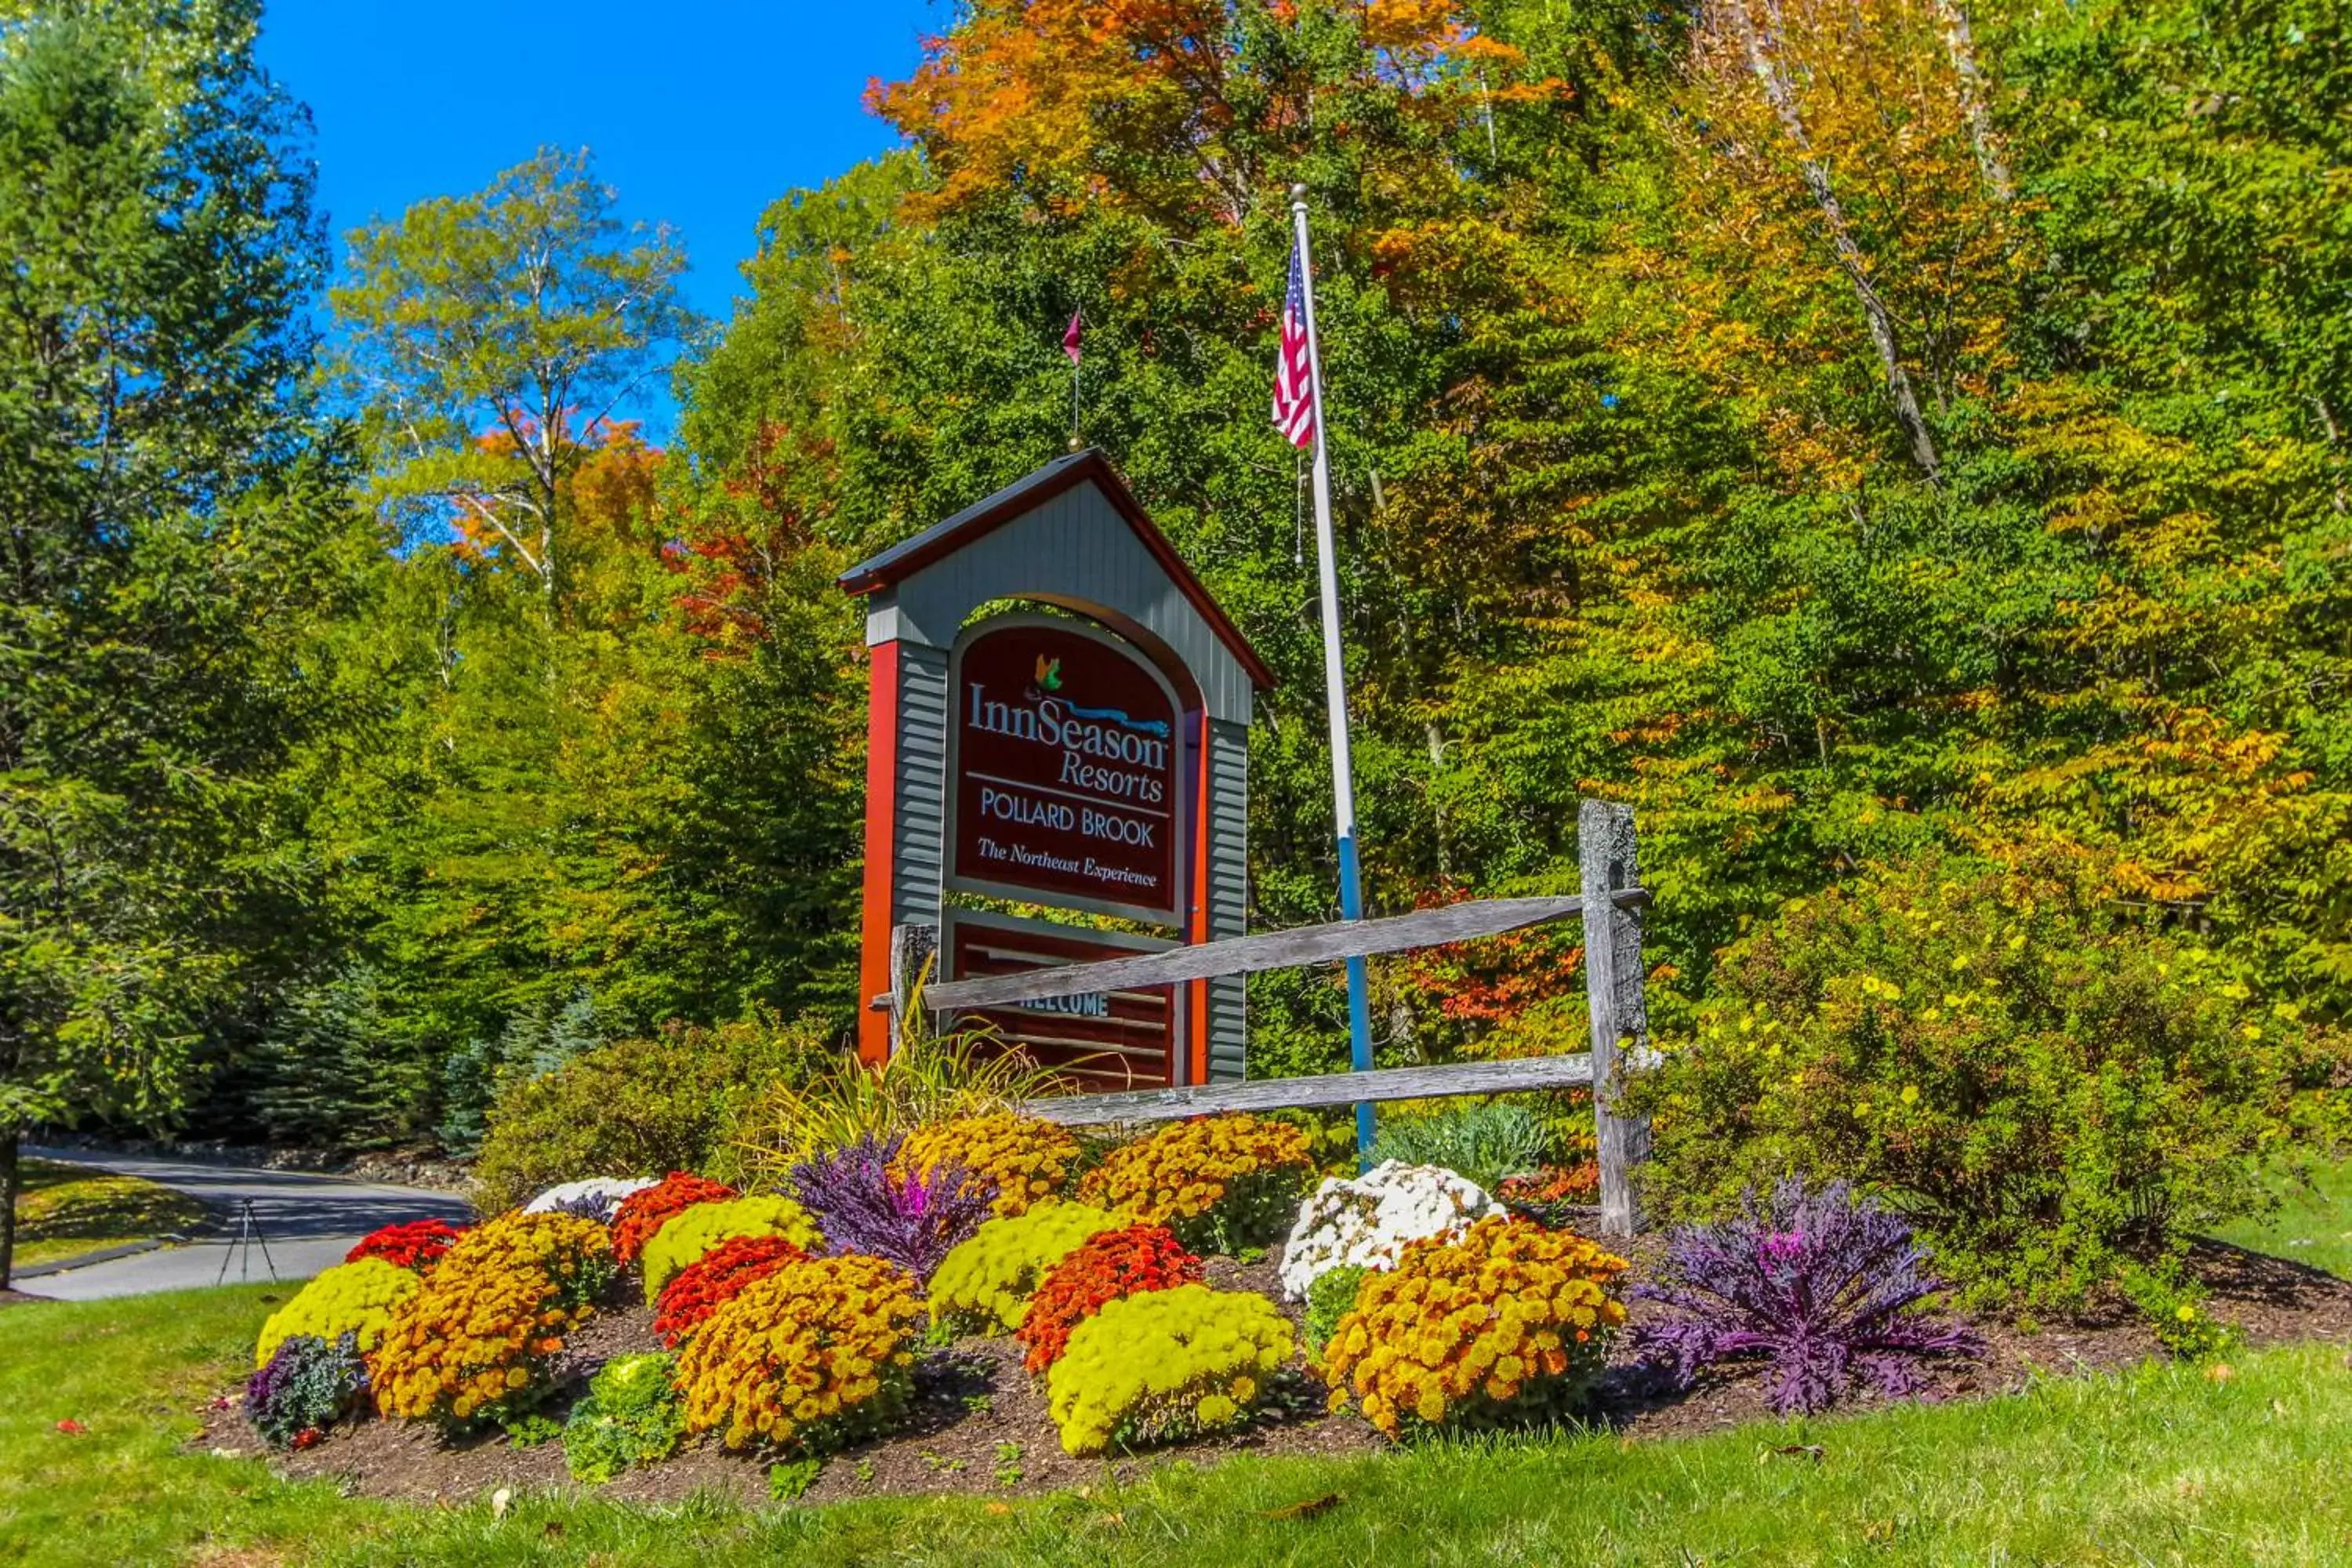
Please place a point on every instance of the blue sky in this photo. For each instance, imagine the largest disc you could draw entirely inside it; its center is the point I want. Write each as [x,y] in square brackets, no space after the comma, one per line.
[701,112]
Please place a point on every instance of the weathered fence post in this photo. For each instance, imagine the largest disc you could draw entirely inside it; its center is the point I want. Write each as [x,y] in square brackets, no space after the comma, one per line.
[1620,1017]
[912,948]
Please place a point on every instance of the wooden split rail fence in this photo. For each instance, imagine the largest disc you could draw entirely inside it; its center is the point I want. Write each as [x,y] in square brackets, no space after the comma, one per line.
[1611,904]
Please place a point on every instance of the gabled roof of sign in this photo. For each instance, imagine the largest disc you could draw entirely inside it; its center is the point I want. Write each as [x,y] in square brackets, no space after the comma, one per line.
[1026,494]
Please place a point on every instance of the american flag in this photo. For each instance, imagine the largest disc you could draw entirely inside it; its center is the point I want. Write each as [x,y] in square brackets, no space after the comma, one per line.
[1293,386]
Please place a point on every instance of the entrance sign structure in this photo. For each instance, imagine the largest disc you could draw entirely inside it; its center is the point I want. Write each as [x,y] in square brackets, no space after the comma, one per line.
[1093,760]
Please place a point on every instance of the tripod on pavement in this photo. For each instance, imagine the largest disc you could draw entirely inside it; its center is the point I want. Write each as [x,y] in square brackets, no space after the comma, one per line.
[248,1236]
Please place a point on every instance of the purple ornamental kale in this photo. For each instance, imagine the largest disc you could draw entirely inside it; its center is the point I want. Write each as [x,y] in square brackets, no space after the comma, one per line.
[911,1221]
[307,1385]
[597,1205]
[1822,1285]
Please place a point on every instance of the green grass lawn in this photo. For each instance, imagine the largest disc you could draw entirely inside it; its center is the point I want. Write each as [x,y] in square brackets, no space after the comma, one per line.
[66,1210]
[2313,1224]
[2160,1465]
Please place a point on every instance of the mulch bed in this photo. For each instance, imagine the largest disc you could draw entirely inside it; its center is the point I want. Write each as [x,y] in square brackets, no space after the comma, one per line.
[980,1424]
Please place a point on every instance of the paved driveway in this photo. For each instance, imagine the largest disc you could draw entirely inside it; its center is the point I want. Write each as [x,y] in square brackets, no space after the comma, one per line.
[306,1222]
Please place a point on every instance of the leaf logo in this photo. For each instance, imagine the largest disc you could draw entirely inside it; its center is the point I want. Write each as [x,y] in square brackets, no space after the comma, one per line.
[1049,674]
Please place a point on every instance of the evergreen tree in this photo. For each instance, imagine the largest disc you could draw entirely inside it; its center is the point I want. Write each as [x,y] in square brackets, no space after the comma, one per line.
[170,537]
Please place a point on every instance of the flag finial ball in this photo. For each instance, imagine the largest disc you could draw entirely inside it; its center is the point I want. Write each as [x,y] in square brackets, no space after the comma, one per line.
[1299,191]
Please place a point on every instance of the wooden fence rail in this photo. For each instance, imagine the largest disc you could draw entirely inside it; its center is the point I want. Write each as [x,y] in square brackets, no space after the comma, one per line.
[1611,905]
[1314,1093]
[1271,950]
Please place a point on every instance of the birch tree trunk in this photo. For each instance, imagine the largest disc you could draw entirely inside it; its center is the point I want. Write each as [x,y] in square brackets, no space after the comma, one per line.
[1778,92]
[1959,42]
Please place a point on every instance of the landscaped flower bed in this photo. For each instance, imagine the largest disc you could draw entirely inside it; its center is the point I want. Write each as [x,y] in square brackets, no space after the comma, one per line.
[797,1344]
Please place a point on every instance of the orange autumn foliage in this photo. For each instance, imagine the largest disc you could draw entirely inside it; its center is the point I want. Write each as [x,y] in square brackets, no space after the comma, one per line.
[1142,101]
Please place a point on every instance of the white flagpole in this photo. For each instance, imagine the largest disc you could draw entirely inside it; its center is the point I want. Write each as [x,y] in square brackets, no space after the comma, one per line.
[1334,687]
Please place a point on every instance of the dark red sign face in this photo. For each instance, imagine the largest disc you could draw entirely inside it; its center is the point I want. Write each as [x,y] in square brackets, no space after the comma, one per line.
[1065,768]
[1099,1041]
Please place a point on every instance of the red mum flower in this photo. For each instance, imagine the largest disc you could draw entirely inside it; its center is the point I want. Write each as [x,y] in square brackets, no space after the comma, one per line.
[647,1209]
[416,1246]
[1104,1267]
[717,1278]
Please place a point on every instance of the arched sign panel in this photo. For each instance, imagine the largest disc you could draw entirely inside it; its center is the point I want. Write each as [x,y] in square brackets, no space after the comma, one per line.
[1065,760]
[1096,759]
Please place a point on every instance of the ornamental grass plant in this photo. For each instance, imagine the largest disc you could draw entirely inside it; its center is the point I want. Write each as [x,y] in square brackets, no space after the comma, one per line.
[930,1077]
[1483,1142]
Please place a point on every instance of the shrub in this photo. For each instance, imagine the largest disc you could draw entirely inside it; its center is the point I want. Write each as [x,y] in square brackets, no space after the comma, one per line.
[1367,1220]
[717,1278]
[1166,1365]
[1220,1183]
[984,1285]
[1483,1143]
[1331,1297]
[355,1298]
[913,1220]
[1027,1158]
[644,1211]
[1104,1266]
[475,1345]
[633,1415]
[591,1197]
[658,1104]
[2045,1087]
[416,1246]
[307,1385]
[1824,1288]
[695,1231]
[815,1356]
[1508,1321]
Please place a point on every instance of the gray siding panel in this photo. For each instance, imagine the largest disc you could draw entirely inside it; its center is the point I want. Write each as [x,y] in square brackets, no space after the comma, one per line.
[1228,892]
[922,783]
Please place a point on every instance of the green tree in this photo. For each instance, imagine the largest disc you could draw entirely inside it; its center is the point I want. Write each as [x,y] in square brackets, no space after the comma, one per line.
[172,535]
[491,338]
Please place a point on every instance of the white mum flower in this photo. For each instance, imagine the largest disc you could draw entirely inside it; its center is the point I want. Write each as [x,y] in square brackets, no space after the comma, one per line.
[1369,1220]
[607,1190]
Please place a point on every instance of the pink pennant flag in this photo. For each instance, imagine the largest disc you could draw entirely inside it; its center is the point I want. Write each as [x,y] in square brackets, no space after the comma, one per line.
[1070,338]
